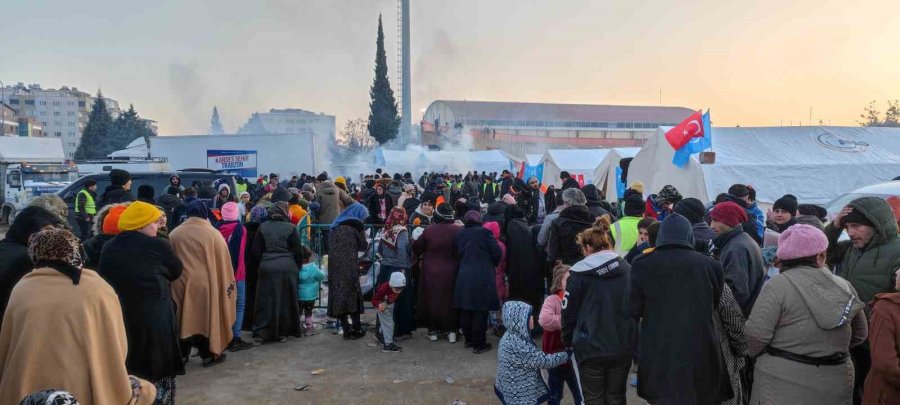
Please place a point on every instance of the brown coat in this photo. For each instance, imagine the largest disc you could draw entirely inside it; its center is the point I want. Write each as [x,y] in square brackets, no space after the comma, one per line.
[883,382]
[57,335]
[205,293]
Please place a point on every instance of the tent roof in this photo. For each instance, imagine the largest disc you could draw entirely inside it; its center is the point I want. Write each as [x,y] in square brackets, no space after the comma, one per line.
[576,159]
[30,149]
[816,164]
[533,159]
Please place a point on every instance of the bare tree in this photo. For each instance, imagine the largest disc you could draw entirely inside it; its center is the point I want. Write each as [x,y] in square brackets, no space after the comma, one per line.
[871,117]
[356,136]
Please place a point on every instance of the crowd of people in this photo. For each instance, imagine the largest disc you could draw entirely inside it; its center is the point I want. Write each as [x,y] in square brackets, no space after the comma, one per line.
[710,303]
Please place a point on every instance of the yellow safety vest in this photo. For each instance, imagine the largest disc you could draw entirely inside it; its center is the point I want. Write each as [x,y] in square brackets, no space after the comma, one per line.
[89,207]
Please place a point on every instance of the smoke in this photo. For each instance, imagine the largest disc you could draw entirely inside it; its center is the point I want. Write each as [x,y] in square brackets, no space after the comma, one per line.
[188,93]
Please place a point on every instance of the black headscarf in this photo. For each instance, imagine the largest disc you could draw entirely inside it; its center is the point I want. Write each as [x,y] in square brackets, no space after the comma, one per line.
[29,222]
[512,212]
[279,212]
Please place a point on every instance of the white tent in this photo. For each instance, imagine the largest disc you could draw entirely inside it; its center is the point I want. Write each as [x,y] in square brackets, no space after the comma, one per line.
[816,164]
[606,175]
[578,162]
[31,149]
[417,161]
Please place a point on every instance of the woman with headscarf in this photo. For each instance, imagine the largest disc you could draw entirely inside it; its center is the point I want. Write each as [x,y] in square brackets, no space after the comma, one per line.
[204,294]
[396,256]
[437,275]
[803,325]
[256,217]
[476,290]
[523,260]
[14,260]
[141,267]
[64,329]
[278,255]
[346,240]
[379,205]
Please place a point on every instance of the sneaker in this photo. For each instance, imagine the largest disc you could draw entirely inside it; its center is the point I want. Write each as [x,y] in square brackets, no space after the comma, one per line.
[257,341]
[340,331]
[433,336]
[282,339]
[391,348]
[451,337]
[487,347]
[237,345]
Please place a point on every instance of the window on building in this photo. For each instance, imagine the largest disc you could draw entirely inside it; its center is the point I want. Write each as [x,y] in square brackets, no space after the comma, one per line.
[70,103]
[29,102]
[44,113]
[71,123]
[81,104]
[56,113]
[56,103]
[14,101]
[57,134]
[72,134]
[71,113]
[42,102]
[44,123]
[57,123]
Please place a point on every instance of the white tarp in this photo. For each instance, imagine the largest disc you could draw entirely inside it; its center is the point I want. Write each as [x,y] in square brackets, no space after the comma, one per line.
[606,175]
[578,162]
[32,150]
[533,159]
[459,162]
[816,164]
[136,149]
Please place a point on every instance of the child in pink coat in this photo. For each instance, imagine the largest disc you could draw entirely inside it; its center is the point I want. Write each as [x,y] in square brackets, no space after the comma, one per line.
[500,271]
[551,342]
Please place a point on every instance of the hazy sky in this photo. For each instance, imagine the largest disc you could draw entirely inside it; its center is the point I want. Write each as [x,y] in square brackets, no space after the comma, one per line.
[753,63]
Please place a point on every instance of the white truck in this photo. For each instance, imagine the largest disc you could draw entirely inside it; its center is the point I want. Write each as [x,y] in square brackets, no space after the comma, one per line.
[30,167]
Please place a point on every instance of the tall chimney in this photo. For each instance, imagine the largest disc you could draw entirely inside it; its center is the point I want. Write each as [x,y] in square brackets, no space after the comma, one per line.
[406,98]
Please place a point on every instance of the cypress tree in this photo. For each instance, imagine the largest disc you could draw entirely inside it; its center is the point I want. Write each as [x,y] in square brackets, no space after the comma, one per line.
[384,121]
[96,136]
[215,126]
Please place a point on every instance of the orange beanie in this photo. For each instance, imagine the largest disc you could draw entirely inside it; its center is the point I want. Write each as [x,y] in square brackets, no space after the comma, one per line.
[111,221]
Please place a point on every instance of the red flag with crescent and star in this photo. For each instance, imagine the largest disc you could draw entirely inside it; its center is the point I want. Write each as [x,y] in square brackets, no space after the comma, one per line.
[681,134]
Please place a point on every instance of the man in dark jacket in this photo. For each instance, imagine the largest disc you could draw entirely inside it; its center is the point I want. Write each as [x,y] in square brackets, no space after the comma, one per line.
[568,182]
[742,198]
[596,325]
[119,190]
[506,182]
[741,257]
[680,358]
[595,202]
[868,261]
[562,245]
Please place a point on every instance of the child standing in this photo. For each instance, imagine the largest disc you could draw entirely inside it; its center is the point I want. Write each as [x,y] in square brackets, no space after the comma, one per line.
[519,361]
[551,314]
[383,299]
[499,275]
[311,277]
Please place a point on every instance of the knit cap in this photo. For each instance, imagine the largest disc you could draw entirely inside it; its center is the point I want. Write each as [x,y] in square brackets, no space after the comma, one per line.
[787,203]
[692,209]
[800,241]
[729,213]
[340,180]
[398,280]
[230,211]
[138,215]
[111,220]
[634,205]
[119,177]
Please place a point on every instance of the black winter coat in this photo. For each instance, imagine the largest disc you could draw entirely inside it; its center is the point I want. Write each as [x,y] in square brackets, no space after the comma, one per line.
[595,320]
[674,292]
[140,268]
[743,264]
[14,264]
[344,292]
[114,195]
[479,254]
[570,183]
[92,249]
[564,230]
[523,264]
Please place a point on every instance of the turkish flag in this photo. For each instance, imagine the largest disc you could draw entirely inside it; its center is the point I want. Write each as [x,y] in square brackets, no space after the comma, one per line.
[681,134]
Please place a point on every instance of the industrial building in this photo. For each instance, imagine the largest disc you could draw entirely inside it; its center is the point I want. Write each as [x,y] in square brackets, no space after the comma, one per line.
[522,128]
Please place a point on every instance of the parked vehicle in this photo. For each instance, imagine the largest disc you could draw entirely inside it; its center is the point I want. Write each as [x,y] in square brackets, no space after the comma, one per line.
[881,190]
[30,167]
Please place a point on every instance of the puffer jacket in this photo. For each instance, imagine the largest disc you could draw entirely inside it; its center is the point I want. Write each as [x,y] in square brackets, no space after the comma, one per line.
[871,269]
[519,361]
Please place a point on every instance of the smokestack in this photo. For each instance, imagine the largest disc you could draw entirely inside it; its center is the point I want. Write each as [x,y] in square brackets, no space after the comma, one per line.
[406,98]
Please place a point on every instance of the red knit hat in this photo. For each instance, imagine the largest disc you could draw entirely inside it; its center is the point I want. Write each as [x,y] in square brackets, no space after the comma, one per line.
[729,213]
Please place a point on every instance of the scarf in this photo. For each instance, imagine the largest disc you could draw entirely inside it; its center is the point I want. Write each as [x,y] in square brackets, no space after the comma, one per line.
[280,211]
[197,208]
[57,249]
[355,211]
[393,227]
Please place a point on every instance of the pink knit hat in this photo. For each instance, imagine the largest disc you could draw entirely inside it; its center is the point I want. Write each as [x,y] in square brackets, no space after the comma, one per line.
[230,211]
[801,241]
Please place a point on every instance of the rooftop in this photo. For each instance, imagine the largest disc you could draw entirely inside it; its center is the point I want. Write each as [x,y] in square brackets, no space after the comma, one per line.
[564,112]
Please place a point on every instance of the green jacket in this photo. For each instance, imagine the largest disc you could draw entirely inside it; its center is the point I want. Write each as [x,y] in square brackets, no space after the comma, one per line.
[871,269]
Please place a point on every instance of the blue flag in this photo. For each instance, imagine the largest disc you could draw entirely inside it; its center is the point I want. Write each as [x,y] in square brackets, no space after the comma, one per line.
[696,145]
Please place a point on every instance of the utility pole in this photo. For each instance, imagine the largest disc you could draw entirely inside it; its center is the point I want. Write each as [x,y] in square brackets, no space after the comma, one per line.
[406,79]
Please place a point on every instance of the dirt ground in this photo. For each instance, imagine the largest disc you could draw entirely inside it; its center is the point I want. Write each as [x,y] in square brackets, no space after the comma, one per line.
[356,372]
